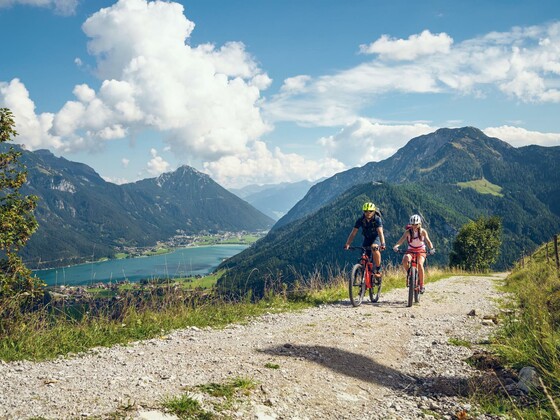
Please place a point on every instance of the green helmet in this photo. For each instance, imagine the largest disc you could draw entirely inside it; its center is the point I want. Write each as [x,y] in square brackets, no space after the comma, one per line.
[368,207]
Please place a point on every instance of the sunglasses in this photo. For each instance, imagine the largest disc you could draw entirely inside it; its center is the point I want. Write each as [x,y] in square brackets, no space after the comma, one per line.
[368,211]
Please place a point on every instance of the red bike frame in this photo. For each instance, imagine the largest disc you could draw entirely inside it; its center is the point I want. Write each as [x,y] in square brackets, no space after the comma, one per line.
[413,276]
[363,277]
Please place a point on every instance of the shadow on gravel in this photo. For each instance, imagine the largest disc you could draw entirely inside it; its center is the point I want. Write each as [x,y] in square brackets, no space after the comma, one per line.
[368,370]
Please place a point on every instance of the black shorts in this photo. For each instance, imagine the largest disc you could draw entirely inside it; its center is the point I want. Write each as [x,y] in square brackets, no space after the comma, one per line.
[368,242]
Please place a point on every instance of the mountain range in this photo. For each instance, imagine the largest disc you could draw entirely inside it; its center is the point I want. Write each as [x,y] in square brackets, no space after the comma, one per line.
[274,200]
[450,177]
[83,217]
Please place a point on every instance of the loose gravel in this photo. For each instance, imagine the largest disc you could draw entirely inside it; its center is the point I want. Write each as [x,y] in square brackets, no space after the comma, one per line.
[376,361]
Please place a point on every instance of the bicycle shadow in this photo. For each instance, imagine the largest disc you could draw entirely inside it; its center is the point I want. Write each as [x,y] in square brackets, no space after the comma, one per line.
[368,370]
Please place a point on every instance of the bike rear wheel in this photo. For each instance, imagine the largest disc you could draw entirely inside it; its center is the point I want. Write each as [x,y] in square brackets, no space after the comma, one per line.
[357,285]
[412,278]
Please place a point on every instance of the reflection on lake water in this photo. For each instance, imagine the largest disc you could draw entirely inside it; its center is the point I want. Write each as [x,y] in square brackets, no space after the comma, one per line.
[182,262]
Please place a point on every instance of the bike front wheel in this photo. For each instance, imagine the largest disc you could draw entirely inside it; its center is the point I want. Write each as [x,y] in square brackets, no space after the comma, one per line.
[412,280]
[357,285]
[417,288]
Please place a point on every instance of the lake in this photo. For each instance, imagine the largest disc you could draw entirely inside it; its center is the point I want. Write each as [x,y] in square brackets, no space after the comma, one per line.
[183,262]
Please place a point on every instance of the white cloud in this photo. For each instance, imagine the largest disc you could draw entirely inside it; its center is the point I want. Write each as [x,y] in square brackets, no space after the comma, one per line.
[156,166]
[118,181]
[33,130]
[263,166]
[517,136]
[62,7]
[204,100]
[409,49]
[523,63]
[364,141]
[125,162]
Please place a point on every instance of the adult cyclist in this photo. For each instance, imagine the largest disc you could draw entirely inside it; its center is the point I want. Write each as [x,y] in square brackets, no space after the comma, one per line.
[372,230]
[417,238]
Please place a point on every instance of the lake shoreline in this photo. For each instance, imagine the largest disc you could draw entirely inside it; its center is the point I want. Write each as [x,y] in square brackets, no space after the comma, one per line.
[188,261]
[171,250]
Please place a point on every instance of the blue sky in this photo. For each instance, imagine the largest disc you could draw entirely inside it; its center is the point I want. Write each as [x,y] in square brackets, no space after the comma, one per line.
[263,91]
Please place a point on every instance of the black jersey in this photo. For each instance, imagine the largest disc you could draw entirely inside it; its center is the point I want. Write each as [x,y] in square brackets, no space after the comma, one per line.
[369,227]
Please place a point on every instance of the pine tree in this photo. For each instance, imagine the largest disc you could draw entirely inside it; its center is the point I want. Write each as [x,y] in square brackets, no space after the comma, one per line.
[17,221]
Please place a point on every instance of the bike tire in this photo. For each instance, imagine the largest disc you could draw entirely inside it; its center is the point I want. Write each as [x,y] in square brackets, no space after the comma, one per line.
[357,285]
[411,281]
[416,287]
[375,291]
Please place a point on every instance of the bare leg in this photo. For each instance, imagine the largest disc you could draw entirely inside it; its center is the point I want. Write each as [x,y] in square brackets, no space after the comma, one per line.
[376,255]
[421,259]
[406,261]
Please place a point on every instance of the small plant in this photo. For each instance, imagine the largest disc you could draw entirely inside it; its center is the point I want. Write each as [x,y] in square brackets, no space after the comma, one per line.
[228,390]
[272,366]
[460,342]
[186,407]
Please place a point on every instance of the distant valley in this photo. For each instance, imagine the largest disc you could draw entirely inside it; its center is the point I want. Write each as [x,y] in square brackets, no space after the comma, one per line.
[274,200]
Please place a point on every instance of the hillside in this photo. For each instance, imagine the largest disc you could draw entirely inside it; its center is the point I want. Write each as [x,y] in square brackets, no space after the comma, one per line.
[453,176]
[81,216]
[315,243]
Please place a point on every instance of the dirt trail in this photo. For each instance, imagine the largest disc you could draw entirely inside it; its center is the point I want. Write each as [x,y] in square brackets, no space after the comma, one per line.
[335,362]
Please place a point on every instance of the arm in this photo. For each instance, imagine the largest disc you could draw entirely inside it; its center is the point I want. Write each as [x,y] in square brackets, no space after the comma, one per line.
[400,241]
[381,237]
[427,240]
[350,238]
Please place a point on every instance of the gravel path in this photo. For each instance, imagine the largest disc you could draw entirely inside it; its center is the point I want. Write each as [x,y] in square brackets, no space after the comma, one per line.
[335,362]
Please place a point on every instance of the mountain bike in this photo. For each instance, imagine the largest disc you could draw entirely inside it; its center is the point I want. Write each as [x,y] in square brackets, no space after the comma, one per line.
[362,278]
[412,280]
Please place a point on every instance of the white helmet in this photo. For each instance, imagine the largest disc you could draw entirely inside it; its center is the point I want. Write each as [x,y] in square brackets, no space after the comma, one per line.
[415,219]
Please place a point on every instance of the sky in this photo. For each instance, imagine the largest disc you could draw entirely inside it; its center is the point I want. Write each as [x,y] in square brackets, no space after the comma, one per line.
[271,91]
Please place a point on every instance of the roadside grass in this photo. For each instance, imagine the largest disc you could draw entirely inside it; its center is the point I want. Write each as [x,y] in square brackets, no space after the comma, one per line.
[459,342]
[107,318]
[530,336]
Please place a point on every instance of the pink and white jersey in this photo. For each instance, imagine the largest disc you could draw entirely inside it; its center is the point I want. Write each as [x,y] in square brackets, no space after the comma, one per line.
[416,242]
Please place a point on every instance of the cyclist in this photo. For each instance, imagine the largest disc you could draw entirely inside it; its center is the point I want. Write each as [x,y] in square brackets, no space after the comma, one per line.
[372,230]
[417,238]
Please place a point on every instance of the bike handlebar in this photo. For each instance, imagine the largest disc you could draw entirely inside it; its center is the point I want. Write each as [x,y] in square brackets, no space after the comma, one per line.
[353,248]
[362,248]
[402,251]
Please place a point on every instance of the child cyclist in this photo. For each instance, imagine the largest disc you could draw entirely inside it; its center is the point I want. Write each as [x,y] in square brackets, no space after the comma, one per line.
[372,229]
[417,238]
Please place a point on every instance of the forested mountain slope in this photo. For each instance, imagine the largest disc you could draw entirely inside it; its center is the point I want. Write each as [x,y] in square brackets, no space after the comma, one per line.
[450,156]
[81,216]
